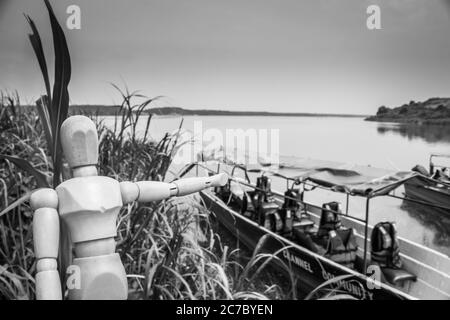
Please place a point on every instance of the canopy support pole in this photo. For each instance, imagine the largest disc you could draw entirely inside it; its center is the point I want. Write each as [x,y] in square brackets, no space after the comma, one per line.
[346,204]
[366,231]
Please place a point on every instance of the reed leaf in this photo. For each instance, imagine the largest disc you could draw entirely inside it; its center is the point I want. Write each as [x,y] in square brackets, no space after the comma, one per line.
[42,107]
[328,283]
[41,179]
[16,203]
[36,43]
[60,100]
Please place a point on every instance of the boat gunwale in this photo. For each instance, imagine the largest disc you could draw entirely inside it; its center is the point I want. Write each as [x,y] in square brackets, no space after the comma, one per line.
[360,221]
[433,255]
[308,252]
[413,262]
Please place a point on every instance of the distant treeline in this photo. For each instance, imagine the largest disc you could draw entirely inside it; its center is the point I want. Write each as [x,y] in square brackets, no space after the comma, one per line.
[431,111]
[113,110]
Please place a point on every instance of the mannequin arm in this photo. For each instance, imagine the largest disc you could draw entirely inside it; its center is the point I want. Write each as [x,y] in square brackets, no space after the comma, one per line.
[44,202]
[147,191]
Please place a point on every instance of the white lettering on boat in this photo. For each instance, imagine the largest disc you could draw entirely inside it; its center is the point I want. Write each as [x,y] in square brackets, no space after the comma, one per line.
[351,286]
[297,261]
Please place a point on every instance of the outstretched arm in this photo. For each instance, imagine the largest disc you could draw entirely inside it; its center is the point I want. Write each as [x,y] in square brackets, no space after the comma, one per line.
[44,202]
[147,191]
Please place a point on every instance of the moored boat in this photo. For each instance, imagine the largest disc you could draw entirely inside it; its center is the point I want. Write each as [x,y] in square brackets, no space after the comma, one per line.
[433,186]
[353,257]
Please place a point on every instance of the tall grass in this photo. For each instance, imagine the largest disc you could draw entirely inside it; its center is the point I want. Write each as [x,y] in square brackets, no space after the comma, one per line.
[169,249]
[19,139]
[163,259]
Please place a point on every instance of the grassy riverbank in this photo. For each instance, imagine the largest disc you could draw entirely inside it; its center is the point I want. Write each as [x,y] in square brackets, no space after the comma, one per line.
[168,248]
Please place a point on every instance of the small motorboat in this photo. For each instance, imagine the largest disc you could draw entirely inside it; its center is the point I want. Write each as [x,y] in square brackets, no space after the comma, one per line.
[320,242]
[433,186]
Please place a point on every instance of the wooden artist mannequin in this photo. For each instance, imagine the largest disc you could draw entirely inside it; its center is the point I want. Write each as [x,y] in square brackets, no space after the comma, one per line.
[89,205]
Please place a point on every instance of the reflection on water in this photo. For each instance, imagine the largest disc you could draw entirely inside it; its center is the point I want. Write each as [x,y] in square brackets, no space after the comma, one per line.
[428,133]
[435,219]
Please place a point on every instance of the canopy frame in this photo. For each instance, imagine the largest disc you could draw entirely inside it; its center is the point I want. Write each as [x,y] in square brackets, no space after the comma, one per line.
[314,184]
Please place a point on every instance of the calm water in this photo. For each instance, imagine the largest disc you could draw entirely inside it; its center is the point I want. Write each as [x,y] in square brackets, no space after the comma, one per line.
[349,140]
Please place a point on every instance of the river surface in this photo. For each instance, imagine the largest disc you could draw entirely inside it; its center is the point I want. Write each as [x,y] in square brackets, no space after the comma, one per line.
[342,139]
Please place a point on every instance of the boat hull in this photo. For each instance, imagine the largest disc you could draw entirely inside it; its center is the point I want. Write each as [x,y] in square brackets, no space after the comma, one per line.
[429,191]
[310,269]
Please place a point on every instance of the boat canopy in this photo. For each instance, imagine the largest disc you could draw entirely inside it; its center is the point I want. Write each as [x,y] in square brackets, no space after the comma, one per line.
[353,179]
[366,181]
[358,180]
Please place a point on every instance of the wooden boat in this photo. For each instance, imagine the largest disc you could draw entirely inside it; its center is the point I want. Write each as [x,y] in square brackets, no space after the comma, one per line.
[424,273]
[431,187]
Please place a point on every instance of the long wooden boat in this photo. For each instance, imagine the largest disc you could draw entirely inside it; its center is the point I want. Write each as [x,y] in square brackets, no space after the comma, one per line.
[431,187]
[430,268]
[428,190]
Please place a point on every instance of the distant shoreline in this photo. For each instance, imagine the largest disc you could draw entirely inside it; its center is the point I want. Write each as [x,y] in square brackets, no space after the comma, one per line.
[434,111]
[411,121]
[175,111]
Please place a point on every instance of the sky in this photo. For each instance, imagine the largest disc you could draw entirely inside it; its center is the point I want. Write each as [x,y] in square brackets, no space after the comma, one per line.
[273,55]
